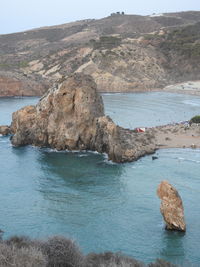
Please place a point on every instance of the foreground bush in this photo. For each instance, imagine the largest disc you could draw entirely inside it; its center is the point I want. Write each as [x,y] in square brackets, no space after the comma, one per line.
[110,259]
[61,252]
[195,119]
[162,263]
[11,255]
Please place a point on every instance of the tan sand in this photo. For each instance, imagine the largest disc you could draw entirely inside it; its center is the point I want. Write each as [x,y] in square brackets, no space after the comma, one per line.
[190,87]
[177,136]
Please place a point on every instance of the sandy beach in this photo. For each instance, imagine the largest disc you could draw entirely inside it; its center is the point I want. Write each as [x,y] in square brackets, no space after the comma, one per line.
[190,87]
[177,136]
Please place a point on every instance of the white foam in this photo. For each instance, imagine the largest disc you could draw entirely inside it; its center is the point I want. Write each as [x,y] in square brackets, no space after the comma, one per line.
[190,160]
[82,155]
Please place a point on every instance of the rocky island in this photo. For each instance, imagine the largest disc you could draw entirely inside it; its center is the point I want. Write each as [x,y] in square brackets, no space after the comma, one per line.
[70,116]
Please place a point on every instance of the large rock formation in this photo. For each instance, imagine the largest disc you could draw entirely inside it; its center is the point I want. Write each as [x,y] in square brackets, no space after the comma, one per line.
[171,207]
[72,117]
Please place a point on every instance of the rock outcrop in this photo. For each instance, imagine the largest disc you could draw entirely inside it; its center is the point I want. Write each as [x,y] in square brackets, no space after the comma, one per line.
[171,207]
[5,130]
[71,117]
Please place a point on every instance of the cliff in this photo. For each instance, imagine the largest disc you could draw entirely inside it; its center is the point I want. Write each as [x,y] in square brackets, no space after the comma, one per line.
[15,84]
[121,53]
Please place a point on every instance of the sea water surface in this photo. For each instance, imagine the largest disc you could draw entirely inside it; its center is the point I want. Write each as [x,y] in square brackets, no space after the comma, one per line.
[104,206]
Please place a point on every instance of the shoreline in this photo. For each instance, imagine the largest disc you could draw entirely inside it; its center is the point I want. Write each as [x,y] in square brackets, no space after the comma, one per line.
[185,92]
[175,91]
[188,88]
[179,135]
[164,90]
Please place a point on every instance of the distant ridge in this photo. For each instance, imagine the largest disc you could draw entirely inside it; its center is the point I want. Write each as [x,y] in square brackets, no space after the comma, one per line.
[121,52]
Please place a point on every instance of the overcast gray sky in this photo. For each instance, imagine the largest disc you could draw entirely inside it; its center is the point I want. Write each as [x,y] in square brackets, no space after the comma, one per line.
[19,15]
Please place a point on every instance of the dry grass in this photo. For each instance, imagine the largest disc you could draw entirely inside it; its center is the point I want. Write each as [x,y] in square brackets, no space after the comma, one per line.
[62,252]
[10,255]
[110,259]
[162,263]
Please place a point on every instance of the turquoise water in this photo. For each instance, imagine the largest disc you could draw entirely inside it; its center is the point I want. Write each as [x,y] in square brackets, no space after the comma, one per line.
[104,206]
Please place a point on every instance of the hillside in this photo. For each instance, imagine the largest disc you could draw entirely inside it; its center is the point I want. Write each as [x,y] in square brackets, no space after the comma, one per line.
[121,52]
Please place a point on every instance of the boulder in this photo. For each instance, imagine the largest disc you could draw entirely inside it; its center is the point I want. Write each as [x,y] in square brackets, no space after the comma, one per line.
[71,117]
[171,207]
[5,130]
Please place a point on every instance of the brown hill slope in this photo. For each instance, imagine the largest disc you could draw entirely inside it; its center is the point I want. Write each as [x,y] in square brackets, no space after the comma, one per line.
[121,52]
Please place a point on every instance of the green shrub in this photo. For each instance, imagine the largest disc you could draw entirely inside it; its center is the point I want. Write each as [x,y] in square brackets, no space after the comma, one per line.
[106,42]
[195,119]
[23,64]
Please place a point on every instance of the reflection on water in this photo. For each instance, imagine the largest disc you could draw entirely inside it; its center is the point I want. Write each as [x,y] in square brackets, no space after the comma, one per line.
[103,206]
[173,246]
[69,179]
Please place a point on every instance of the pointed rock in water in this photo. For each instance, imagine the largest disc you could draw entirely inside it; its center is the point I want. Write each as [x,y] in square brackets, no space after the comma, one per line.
[171,207]
[71,117]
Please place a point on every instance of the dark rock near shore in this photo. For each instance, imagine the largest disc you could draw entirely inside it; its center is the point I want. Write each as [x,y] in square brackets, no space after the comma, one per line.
[72,117]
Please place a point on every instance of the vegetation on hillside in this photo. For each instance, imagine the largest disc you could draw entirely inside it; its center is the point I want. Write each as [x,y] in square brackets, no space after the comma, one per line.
[153,51]
[61,252]
[185,41]
[106,42]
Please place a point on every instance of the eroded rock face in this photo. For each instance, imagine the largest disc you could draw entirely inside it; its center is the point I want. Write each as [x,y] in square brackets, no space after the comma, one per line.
[171,207]
[72,117]
[15,84]
[64,118]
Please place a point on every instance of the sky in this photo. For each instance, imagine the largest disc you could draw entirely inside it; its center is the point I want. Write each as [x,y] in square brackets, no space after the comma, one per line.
[20,15]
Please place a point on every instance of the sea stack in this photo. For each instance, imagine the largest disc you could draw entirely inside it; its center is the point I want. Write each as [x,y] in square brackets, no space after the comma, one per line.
[71,117]
[171,207]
